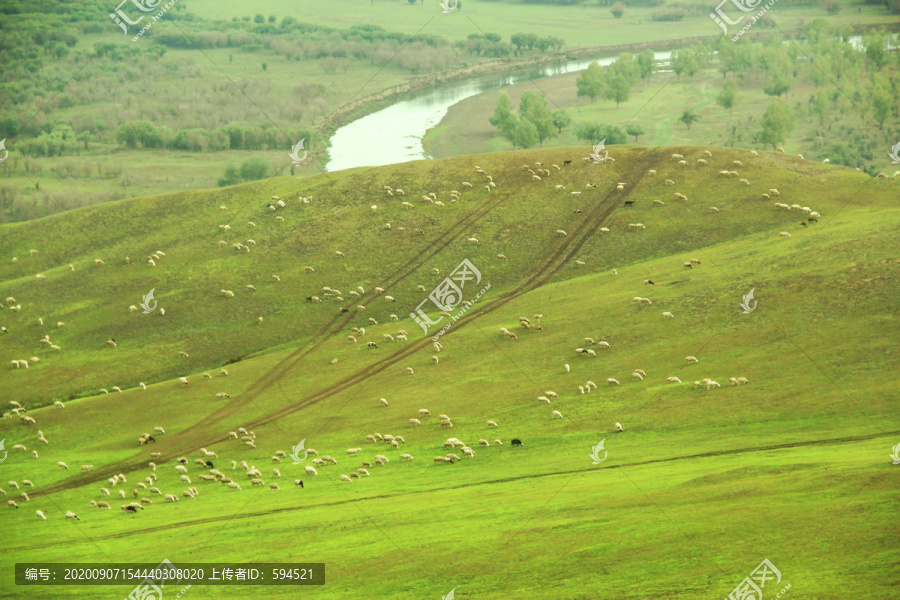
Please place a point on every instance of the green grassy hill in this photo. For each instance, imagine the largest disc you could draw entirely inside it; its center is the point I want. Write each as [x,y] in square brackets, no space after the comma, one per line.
[701,486]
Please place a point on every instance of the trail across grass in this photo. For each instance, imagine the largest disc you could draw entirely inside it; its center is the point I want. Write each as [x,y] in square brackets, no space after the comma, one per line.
[700,487]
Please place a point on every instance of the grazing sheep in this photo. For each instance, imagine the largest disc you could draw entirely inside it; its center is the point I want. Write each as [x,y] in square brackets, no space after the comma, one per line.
[784,234]
[619,428]
[492,424]
[72,515]
[557,415]
[637,376]
[611,381]
[691,359]
[310,471]
[63,466]
[567,368]
[668,315]
[673,380]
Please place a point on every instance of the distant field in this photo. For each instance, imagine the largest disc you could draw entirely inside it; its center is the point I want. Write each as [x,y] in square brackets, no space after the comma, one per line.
[656,106]
[192,88]
[702,485]
[581,25]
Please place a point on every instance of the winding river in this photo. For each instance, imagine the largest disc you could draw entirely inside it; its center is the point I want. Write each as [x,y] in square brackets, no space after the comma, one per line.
[394,134]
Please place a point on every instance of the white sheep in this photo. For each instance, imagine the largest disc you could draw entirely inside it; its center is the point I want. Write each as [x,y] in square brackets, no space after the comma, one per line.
[492,424]
[310,471]
[557,415]
[611,381]
[668,315]
[691,359]
[673,380]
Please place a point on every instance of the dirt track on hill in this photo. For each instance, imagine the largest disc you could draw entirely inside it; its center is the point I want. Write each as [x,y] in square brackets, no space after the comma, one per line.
[198,435]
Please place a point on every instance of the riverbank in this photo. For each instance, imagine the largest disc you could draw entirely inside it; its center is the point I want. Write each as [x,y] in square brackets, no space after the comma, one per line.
[369,103]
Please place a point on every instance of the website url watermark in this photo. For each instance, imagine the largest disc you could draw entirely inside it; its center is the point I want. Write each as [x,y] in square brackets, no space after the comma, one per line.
[123,20]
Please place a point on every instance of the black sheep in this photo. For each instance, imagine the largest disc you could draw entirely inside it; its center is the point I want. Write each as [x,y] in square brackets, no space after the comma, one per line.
[210,465]
[516,442]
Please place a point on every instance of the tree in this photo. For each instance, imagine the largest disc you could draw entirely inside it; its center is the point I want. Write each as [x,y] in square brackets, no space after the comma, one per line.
[132,133]
[591,82]
[561,119]
[535,109]
[594,132]
[781,82]
[525,134]
[646,64]
[259,19]
[777,123]
[881,104]
[635,131]
[523,40]
[727,95]
[617,10]
[875,49]
[254,168]
[503,117]
[626,66]
[688,117]
[819,105]
[617,89]
[832,7]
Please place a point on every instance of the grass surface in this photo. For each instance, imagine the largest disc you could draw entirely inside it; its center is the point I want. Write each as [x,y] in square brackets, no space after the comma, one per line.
[700,488]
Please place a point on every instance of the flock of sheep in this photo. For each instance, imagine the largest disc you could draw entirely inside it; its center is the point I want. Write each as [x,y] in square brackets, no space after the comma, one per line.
[209,474]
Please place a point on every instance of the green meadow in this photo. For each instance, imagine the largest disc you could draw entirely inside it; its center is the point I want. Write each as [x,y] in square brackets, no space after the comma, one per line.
[699,488]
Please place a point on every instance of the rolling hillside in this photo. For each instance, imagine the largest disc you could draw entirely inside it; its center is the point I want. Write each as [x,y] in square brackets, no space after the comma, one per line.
[701,486]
